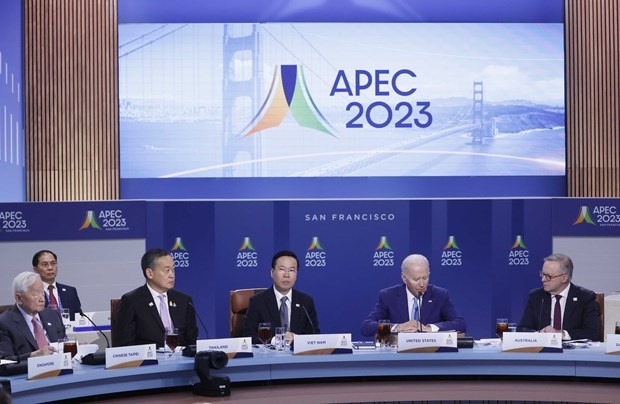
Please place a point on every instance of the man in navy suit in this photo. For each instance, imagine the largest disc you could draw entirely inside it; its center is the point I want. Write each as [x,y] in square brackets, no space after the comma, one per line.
[281,305]
[578,312]
[27,328]
[146,312]
[414,305]
[45,263]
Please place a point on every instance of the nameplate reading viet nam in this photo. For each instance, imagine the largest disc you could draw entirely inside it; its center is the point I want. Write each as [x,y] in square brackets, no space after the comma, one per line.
[40,367]
[531,342]
[130,356]
[322,344]
[427,342]
[613,344]
[233,347]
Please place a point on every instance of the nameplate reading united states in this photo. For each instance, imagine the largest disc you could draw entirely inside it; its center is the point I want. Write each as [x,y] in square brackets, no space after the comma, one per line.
[427,342]
[322,344]
[532,342]
[130,356]
[233,347]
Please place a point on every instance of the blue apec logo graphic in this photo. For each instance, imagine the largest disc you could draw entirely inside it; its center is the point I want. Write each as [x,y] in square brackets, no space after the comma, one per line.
[383,255]
[519,255]
[451,256]
[288,93]
[13,221]
[598,215]
[106,220]
[315,255]
[247,256]
[179,254]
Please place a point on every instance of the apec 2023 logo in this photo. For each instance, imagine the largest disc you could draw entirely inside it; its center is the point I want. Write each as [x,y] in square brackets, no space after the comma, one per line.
[289,92]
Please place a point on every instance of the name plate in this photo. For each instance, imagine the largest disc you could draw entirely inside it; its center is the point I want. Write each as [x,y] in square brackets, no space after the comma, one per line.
[40,367]
[322,344]
[427,342]
[130,356]
[233,347]
[532,342]
[613,344]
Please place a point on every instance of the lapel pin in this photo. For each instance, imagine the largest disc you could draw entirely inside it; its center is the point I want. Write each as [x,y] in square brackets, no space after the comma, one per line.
[430,301]
[172,304]
[150,304]
[49,324]
[574,299]
[64,290]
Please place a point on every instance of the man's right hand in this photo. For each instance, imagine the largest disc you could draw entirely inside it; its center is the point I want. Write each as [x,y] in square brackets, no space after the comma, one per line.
[46,350]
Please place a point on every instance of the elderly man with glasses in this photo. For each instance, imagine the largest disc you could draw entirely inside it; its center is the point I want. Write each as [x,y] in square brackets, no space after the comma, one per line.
[560,306]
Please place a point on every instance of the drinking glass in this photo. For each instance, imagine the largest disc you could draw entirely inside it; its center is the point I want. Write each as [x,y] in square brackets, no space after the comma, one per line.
[501,326]
[280,338]
[383,333]
[66,317]
[617,327]
[264,334]
[172,342]
[512,327]
[70,345]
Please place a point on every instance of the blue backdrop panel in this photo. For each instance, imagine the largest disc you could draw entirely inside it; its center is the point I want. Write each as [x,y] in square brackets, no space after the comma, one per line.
[72,221]
[586,217]
[348,250]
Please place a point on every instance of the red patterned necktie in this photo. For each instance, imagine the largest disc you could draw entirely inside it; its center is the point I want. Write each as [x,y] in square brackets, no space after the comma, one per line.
[557,313]
[52,298]
[39,334]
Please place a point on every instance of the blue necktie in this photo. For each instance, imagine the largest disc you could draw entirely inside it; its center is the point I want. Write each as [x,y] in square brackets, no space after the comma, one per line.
[415,311]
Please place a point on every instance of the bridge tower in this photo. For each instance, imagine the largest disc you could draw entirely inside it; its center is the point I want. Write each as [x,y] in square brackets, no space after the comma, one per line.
[240,97]
[478,107]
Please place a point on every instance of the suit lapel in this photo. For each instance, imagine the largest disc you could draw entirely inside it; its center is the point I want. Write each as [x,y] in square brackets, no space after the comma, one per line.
[571,305]
[22,327]
[151,307]
[172,308]
[49,328]
[272,309]
[402,305]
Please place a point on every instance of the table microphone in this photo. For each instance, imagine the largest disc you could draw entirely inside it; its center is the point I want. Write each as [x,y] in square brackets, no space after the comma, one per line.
[97,358]
[190,350]
[307,316]
[199,319]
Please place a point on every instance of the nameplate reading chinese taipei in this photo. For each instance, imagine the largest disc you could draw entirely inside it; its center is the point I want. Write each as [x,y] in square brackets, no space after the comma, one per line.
[322,344]
[613,344]
[427,342]
[233,347]
[40,367]
[130,356]
[532,342]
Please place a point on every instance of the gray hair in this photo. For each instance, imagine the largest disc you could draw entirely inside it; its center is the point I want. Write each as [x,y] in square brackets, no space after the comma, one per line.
[566,264]
[413,259]
[23,281]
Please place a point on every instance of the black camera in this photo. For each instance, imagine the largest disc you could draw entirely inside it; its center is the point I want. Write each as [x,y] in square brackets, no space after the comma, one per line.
[211,386]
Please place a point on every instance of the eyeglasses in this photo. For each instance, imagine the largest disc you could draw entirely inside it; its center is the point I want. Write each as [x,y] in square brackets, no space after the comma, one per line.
[548,277]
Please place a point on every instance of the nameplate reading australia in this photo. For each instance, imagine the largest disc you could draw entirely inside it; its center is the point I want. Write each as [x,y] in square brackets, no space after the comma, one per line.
[322,344]
[233,347]
[531,342]
[613,344]
[41,367]
[130,356]
[427,342]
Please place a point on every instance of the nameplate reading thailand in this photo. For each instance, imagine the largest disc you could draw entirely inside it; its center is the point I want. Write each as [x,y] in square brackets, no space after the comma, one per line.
[130,356]
[322,344]
[531,342]
[40,367]
[613,344]
[427,342]
[233,347]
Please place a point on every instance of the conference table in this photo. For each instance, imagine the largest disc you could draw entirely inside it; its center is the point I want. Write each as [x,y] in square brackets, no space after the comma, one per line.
[272,366]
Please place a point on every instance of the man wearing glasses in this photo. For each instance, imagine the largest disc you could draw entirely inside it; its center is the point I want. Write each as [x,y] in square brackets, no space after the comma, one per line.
[414,305]
[561,306]
[27,328]
[281,305]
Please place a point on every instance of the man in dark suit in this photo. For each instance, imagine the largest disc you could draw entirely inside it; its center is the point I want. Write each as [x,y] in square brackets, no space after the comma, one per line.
[414,305]
[27,328]
[146,312]
[281,305]
[573,313]
[45,263]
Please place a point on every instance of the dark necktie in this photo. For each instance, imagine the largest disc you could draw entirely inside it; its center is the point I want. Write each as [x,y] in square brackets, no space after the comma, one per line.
[52,298]
[284,312]
[557,313]
[39,334]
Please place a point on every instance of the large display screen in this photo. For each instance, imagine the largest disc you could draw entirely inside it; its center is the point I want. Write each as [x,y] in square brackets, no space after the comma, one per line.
[320,109]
